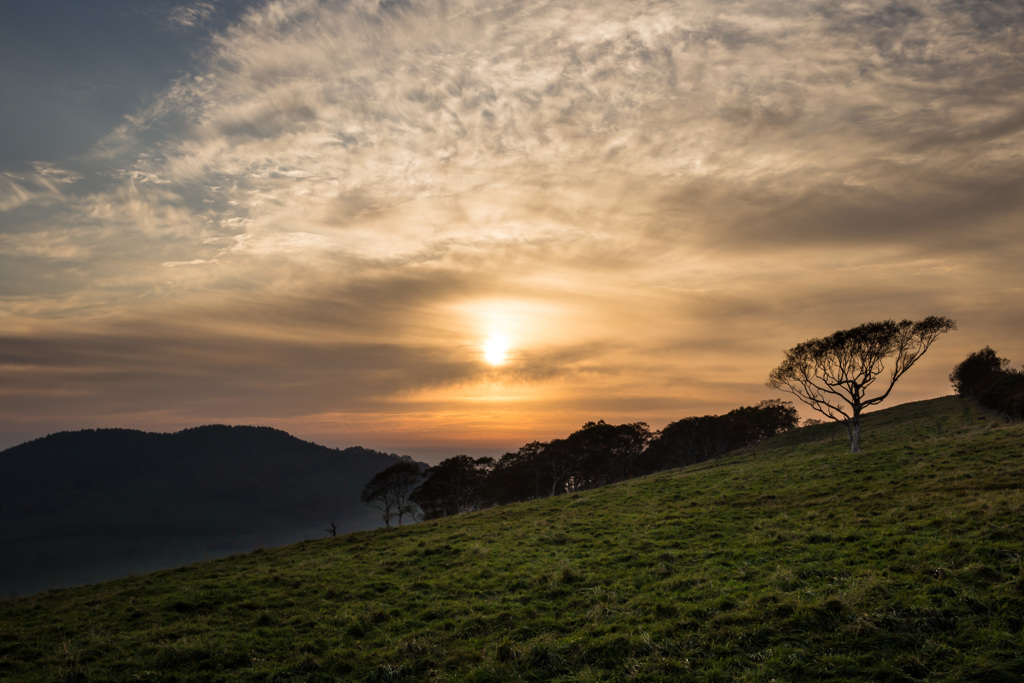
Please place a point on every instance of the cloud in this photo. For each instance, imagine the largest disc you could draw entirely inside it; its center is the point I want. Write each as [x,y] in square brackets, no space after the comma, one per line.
[45,181]
[327,215]
[190,16]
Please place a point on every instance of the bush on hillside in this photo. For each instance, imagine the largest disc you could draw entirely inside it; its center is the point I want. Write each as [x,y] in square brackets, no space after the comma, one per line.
[976,373]
[988,379]
[1005,393]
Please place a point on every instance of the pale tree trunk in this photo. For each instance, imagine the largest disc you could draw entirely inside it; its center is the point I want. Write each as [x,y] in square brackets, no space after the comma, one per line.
[853,430]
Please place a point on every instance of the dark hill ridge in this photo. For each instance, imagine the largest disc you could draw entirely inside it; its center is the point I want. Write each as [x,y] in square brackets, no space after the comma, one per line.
[89,505]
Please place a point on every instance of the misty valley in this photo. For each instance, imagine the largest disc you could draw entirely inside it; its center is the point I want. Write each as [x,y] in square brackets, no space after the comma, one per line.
[87,506]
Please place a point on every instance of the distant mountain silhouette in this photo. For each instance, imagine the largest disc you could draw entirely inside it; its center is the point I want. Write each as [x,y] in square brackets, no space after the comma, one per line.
[79,507]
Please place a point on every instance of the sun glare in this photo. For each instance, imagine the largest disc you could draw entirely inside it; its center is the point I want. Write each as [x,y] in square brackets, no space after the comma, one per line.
[496,350]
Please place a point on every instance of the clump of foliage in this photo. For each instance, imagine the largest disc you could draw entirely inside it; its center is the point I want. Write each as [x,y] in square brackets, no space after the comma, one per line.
[391,489]
[791,563]
[990,380]
[595,455]
[695,440]
[454,485]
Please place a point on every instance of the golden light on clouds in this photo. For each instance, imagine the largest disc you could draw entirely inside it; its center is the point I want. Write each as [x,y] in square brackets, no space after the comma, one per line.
[489,221]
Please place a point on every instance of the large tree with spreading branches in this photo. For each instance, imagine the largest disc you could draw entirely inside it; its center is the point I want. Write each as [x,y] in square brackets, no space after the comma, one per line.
[835,375]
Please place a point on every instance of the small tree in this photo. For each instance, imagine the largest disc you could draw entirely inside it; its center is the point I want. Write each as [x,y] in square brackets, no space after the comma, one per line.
[977,372]
[389,490]
[989,379]
[833,375]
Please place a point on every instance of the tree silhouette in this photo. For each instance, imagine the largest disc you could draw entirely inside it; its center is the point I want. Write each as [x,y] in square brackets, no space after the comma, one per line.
[605,453]
[696,439]
[833,375]
[989,379]
[977,372]
[519,475]
[389,490]
[456,484]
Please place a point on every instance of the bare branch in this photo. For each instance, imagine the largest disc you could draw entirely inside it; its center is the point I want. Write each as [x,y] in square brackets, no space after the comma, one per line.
[833,375]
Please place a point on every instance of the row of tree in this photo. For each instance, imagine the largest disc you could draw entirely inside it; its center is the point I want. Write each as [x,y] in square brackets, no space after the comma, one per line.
[989,379]
[840,376]
[597,454]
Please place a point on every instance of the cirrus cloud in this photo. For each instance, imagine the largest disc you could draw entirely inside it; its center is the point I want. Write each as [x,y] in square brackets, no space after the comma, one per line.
[651,199]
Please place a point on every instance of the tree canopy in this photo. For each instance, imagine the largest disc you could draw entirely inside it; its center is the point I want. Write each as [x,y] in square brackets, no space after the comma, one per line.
[457,484]
[696,439]
[972,376]
[596,454]
[835,374]
[390,489]
[989,379]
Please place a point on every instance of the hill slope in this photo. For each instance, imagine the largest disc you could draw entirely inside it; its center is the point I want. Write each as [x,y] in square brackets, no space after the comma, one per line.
[797,562]
[84,506]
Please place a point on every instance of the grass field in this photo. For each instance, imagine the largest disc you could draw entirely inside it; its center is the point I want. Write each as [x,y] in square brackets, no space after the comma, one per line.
[795,562]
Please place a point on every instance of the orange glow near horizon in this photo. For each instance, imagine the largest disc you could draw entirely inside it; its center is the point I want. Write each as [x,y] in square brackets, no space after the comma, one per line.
[449,232]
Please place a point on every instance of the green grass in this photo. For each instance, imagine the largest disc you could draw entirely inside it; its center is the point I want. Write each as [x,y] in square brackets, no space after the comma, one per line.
[795,562]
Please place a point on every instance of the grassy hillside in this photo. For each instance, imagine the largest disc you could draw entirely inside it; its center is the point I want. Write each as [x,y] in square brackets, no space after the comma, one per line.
[799,561]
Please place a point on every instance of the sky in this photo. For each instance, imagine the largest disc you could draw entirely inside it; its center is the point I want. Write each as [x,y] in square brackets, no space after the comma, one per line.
[457,226]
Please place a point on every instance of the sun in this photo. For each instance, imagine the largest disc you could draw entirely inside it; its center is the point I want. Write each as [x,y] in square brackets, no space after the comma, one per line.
[496,350]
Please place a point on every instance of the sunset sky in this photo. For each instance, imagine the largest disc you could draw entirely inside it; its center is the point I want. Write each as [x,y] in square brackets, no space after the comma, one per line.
[455,226]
